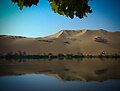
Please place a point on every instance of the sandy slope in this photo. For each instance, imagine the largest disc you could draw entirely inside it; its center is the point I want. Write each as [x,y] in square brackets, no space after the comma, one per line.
[65,41]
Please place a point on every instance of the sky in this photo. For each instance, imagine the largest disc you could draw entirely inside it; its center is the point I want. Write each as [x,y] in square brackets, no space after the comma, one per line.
[39,21]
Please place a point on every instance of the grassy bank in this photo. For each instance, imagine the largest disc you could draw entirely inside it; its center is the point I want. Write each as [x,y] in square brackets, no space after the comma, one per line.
[23,55]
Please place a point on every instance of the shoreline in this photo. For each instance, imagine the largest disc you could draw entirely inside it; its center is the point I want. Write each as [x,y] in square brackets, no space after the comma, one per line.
[58,56]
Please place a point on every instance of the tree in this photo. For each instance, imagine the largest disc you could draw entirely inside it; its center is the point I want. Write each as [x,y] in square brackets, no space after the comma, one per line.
[69,8]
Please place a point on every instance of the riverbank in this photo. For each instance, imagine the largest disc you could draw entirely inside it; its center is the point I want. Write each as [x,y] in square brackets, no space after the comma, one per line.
[53,56]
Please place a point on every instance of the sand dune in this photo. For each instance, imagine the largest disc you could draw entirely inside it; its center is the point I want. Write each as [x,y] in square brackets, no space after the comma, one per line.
[65,41]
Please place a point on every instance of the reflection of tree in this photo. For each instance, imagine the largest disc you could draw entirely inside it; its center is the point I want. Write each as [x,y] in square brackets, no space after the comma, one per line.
[79,59]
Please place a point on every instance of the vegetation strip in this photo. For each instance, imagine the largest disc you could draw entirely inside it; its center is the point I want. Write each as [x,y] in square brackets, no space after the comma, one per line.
[23,55]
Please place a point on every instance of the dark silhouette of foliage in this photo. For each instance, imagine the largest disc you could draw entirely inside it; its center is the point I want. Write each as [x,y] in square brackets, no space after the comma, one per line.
[27,3]
[24,55]
[69,8]
[69,56]
[50,54]
[61,56]
[66,42]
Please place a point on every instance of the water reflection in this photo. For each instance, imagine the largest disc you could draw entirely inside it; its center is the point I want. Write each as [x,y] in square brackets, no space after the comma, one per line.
[36,82]
[75,69]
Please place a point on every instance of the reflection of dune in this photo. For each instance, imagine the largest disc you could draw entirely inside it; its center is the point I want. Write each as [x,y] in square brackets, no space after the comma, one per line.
[65,41]
[85,70]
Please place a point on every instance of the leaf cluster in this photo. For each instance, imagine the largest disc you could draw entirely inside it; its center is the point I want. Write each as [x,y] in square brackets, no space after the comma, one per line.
[27,3]
[69,8]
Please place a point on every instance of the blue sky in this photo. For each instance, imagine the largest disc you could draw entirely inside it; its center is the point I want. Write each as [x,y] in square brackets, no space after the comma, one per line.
[40,20]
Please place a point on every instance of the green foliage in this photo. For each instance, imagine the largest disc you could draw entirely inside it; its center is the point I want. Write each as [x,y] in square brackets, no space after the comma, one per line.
[23,55]
[27,3]
[69,8]
[61,56]
[69,56]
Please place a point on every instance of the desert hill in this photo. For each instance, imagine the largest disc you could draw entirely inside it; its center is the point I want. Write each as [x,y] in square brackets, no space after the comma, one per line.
[65,41]
[13,37]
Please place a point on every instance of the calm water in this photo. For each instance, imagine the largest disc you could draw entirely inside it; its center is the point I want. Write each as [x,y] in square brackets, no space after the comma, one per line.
[47,83]
[60,75]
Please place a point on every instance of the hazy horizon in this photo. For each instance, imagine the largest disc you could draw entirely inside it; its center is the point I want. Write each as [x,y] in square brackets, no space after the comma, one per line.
[53,33]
